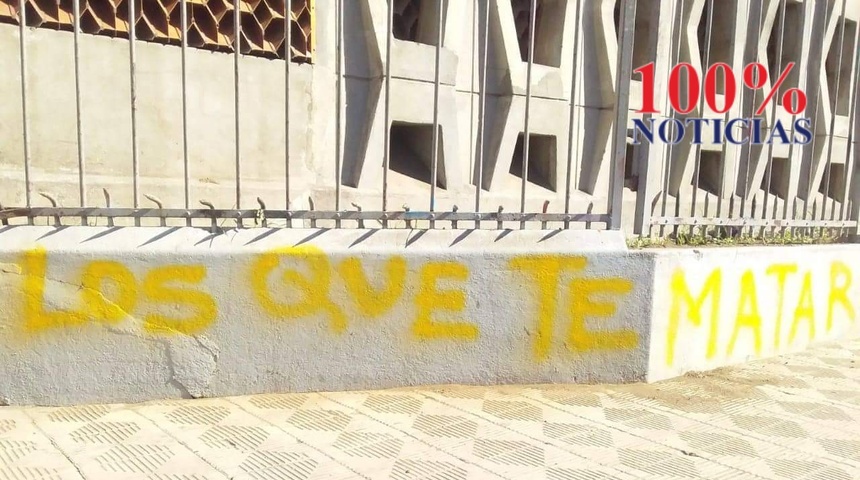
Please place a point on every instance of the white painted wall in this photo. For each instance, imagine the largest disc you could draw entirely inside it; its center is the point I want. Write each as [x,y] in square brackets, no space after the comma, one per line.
[721,306]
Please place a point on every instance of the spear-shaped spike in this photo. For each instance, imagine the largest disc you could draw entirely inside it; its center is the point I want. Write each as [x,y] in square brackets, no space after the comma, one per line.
[261,213]
[408,220]
[154,200]
[53,201]
[50,199]
[814,213]
[107,204]
[360,220]
[589,210]
[209,204]
[160,207]
[544,210]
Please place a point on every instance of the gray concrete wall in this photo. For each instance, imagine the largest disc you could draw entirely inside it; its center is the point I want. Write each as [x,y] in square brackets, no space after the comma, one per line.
[94,314]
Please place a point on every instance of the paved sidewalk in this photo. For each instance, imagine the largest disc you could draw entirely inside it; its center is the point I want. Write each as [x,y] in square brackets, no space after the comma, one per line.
[796,417]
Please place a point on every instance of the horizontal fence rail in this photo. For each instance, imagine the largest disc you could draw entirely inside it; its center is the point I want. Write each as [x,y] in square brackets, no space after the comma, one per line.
[407,113]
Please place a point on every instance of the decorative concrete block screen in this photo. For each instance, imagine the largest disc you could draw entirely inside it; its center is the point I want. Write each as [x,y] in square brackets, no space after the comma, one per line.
[210,23]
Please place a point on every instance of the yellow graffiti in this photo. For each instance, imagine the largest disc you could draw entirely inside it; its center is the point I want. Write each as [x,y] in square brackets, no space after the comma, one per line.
[545,273]
[430,299]
[748,315]
[583,306]
[101,308]
[782,271]
[681,295]
[805,309]
[371,301]
[98,306]
[156,286]
[374,302]
[749,309]
[36,317]
[839,292]
[313,288]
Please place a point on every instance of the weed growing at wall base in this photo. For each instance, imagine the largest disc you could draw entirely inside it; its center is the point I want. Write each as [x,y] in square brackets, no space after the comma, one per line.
[734,237]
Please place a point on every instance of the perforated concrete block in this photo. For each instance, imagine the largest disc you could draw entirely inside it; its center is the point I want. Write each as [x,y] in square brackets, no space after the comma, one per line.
[555,24]
[210,23]
[370,169]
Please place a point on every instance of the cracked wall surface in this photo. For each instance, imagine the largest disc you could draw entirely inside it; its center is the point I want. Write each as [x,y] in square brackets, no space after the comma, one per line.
[94,315]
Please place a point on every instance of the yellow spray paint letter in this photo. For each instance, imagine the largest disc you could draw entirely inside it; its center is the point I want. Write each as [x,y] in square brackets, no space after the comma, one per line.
[313,288]
[583,306]
[748,315]
[156,287]
[681,295]
[374,302]
[36,317]
[545,273]
[430,298]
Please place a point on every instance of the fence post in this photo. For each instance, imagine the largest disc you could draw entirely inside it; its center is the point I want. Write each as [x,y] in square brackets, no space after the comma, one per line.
[624,73]
[650,160]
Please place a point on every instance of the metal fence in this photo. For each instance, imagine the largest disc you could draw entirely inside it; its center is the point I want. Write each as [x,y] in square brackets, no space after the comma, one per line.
[650,189]
[771,189]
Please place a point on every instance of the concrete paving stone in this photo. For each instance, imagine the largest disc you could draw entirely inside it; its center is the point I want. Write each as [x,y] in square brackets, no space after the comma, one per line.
[793,417]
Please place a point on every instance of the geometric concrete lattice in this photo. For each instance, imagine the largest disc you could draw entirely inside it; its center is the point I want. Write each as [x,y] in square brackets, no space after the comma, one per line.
[210,22]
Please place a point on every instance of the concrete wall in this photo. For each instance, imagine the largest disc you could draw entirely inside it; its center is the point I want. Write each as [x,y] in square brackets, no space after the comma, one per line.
[125,314]
[211,119]
[720,306]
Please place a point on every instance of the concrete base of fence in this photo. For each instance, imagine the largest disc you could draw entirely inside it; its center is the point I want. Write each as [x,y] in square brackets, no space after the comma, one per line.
[133,314]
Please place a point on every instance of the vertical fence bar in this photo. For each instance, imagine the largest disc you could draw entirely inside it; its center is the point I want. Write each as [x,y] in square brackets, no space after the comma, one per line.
[237,52]
[25,119]
[678,23]
[132,64]
[832,132]
[752,107]
[783,6]
[183,4]
[288,62]
[436,85]
[482,111]
[724,152]
[339,107]
[386,160]
[572,124]
[624,72]
[852,124]
[527,126]
[706,64]
[811,173]
[791,202]
[82,185]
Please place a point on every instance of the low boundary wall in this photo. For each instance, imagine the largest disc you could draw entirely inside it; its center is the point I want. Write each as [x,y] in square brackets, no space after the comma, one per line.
[130,314]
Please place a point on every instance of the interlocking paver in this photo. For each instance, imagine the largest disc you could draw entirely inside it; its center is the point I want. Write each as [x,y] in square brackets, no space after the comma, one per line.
[796,416]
